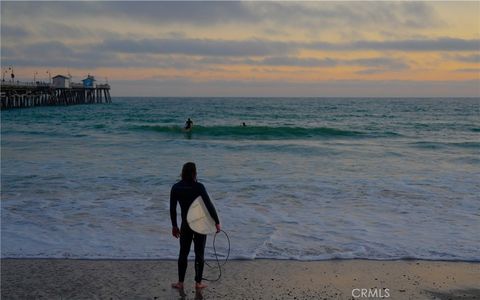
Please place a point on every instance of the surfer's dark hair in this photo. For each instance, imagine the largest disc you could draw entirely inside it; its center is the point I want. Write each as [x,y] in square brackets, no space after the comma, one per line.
[189,172]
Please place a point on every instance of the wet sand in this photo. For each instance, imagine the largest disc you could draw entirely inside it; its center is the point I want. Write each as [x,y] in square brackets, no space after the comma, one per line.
[258,279]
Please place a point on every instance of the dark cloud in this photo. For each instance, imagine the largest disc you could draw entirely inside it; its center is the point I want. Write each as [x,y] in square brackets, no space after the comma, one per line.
[385,63]
[14,31]
[297,61]
[408,45]
[56,54]
[80,60]
[418,15]
[370,71]
[61,31]
[202,47]
[7,52]
[197,13]
[258,47]
[468,70]
[381,63]
[64,62]
[154,12]
[441,44]
[217,60]
[50,49]
[470,58]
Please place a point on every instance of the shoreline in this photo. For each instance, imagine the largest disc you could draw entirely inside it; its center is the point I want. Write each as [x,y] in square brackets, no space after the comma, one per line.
[241,279]
[247,259]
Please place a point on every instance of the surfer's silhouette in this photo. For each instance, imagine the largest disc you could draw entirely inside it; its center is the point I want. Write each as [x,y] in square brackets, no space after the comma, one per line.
[188,124]
[185,192]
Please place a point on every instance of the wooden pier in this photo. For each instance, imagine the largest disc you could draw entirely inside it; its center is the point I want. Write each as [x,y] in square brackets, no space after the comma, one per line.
[27,94]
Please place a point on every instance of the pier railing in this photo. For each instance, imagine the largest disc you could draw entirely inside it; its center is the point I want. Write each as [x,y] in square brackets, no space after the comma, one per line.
[24,83]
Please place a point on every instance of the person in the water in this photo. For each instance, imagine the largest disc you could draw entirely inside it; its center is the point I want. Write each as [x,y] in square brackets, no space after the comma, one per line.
[188,124]
[185,192]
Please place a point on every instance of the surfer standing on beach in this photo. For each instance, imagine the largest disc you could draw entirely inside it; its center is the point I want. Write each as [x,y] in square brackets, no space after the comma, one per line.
[185,192]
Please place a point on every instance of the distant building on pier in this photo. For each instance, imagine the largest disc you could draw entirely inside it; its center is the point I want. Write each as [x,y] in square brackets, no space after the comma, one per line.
[61,82]
[89,82]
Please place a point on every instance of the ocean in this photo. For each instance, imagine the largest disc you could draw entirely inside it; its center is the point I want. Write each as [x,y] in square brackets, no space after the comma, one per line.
[305,179]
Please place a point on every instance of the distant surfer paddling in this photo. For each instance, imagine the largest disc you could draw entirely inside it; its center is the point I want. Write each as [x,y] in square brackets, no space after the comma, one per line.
[188,125]
[185,192]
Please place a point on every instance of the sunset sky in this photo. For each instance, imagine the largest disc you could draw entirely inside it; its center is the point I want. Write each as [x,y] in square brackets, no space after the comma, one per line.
[249,48]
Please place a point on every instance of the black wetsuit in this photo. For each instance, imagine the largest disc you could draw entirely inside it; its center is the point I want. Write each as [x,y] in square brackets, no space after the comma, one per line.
[185,193]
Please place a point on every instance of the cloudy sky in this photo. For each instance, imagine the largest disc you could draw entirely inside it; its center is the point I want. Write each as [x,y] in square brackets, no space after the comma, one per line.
[250,48]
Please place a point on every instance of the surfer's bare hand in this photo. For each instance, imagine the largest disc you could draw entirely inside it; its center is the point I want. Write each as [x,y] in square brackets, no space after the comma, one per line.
[176,232]
[218,227]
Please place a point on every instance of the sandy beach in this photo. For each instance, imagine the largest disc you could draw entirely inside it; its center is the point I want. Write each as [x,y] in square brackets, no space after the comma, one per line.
[257,279]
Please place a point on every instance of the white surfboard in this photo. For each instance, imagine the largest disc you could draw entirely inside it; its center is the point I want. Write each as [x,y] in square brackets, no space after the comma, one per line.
[199,218]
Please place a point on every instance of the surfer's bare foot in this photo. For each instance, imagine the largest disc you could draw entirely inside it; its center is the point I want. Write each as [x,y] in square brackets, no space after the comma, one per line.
[200,286]
[178,285]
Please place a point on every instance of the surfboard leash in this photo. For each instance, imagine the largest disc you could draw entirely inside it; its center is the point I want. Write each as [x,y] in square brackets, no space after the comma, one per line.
[219,265]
